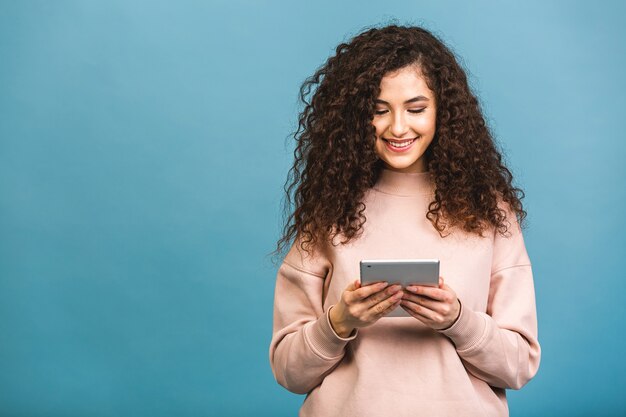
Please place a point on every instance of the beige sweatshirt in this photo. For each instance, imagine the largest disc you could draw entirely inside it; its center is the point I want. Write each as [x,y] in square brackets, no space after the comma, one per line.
[398,366]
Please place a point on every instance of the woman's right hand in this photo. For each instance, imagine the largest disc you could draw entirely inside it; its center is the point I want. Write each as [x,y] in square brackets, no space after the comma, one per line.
[363,306]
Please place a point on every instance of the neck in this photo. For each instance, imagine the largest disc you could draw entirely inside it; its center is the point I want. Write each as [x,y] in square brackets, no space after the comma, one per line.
[404,183]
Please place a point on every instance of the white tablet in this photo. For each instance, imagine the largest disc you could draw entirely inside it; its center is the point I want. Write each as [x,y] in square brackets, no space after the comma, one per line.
[400,271]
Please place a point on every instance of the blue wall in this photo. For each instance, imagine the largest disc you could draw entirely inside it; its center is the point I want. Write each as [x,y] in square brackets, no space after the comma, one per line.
[142,157]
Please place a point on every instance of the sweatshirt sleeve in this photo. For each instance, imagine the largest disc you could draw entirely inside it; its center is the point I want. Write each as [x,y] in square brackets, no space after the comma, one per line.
[501,345]
[304,347]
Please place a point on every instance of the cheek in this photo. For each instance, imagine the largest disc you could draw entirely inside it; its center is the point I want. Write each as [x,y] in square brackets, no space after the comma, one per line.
[425,125]
[379,147]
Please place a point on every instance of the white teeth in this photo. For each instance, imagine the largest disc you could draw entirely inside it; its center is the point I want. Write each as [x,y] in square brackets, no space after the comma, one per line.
[403,144]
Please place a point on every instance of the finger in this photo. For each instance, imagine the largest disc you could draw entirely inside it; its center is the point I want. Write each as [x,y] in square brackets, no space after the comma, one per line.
[381,307]
[421,318]
[426,302]
[392,307]
[349,291]
[352,286]
[379,296]
[425,313]
[435,293]
[367,290]
[361,293]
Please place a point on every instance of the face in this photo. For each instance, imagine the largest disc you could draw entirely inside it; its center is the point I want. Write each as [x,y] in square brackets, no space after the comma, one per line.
[404,119]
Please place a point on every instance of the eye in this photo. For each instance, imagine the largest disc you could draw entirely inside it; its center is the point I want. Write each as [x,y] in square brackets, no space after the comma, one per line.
[414,111]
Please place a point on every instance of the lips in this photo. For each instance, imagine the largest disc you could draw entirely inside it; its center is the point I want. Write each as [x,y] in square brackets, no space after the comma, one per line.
[398,141]
[407,144]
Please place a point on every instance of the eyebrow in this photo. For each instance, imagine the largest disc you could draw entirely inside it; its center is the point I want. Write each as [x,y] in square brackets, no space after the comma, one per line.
[411,100]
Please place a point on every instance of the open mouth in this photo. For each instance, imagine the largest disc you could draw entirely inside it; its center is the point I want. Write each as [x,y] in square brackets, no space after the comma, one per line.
[399,145]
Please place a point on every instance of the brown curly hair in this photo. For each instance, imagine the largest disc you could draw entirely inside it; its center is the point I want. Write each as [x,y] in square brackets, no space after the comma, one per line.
[335,158]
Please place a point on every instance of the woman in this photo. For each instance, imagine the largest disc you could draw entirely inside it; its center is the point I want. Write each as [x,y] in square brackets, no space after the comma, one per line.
[395,161]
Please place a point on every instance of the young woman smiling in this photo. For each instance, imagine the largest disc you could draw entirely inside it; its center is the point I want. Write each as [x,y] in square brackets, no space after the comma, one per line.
[394,161]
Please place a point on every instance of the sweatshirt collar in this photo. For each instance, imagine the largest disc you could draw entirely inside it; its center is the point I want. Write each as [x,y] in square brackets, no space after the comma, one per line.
[404,184]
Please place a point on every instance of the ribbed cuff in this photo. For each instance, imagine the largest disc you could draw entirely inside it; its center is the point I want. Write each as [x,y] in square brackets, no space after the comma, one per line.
[324,340]
[468,329]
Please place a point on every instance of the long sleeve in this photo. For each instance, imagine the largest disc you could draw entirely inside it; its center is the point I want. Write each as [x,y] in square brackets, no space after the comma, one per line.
[501,346]
[304,347]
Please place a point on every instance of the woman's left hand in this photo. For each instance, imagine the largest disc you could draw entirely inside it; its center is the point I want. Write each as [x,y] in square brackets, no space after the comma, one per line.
[436,307]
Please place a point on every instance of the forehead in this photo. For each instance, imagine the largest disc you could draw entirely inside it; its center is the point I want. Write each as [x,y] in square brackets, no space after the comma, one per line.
[403,83]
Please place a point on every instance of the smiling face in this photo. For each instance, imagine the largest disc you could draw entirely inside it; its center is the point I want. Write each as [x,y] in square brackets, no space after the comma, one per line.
[404,119]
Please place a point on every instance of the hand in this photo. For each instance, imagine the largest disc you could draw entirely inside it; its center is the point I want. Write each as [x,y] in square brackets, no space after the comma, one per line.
[436,307]
[363,306]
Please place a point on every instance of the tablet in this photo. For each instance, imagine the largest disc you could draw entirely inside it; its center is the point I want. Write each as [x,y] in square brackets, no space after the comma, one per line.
[400,271]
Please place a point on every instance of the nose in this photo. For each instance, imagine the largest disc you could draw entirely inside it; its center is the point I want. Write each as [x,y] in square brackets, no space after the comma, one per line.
[398,126]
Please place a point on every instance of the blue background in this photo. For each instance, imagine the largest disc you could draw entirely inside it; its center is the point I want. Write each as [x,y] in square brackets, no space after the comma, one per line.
[142,158]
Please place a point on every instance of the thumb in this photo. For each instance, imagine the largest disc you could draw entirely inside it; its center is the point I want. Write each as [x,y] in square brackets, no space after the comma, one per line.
[353,285]
[441,284]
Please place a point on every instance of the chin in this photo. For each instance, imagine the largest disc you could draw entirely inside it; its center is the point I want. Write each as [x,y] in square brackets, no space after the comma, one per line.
[413,164]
